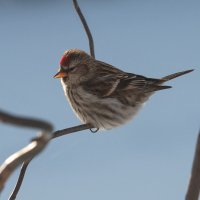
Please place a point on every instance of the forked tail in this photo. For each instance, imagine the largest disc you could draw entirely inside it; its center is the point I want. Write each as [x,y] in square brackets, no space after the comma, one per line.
[158,84]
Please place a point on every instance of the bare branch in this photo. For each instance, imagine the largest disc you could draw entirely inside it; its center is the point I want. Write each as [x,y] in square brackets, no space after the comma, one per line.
[86,27]
[20,180]
[71,130]
[194,184]
[25,121]
[28,152]
[55,135]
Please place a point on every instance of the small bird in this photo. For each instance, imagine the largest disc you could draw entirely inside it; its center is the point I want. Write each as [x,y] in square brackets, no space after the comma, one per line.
[102,95]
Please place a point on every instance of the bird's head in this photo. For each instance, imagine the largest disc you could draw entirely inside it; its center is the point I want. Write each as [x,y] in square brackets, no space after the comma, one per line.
[74,65]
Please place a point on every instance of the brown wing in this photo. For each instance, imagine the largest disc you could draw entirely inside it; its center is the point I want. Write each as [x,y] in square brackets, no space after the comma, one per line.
[140,84]
[103,85]
[110,81]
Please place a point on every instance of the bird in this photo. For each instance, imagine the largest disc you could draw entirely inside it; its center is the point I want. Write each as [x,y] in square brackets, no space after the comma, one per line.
[102,95]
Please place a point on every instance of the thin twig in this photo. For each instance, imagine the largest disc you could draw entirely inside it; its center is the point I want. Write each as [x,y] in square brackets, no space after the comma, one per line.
[194,184]
[28,152]
[71,130]
[19,181]
[87,30]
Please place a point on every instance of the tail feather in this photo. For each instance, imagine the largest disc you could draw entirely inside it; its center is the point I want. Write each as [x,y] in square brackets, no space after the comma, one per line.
[154,88]
[172,76]
[158,84]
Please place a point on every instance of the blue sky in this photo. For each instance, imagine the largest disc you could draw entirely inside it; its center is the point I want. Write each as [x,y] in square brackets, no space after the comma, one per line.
[148,158]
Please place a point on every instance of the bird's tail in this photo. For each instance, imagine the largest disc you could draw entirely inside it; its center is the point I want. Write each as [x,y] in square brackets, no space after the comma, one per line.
[157,85]
[172,76]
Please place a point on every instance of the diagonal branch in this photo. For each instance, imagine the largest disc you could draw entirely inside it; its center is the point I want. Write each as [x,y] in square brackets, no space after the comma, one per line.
[20,180]
[73,129]
[86,27]
[55,135]
[194,183]
[28,152]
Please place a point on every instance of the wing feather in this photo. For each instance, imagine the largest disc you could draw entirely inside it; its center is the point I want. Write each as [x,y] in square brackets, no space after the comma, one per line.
[110,81]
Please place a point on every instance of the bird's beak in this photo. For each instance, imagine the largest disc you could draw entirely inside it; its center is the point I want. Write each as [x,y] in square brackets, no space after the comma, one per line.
[61,74]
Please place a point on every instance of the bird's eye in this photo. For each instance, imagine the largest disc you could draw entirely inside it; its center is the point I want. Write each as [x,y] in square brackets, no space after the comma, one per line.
[72,69]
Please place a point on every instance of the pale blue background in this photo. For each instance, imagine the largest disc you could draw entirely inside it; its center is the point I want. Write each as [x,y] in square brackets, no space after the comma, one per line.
[149,158]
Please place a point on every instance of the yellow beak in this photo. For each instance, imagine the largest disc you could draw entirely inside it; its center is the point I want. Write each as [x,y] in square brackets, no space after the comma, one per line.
[61,74]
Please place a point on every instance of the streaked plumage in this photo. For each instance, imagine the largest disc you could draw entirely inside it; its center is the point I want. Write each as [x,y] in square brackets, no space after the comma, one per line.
[103,95]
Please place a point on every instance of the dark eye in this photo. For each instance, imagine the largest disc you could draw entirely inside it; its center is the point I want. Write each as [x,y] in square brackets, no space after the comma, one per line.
[72,69]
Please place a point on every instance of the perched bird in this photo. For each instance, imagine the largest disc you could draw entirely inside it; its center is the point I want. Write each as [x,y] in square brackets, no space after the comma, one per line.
[102,95]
